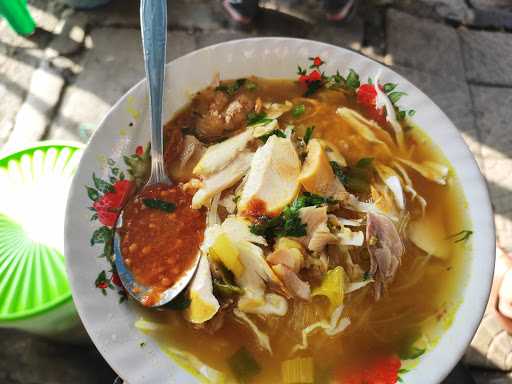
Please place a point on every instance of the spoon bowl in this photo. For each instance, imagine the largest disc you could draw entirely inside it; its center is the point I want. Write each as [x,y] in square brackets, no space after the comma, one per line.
[153,17]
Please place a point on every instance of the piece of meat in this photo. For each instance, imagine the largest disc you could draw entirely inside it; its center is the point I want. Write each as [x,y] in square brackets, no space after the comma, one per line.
[217,115]
[222,180]
[291,258]
[180,169]
[272,180]
[318,234]
[385,248]
[293,283]
[173,144]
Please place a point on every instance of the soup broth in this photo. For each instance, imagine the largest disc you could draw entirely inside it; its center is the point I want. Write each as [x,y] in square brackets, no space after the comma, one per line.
[404,318]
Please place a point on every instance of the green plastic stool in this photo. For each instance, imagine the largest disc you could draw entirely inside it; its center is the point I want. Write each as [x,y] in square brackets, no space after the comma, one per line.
[17,14]
[34,291]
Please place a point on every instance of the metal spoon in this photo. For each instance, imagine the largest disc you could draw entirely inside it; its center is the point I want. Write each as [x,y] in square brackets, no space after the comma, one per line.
[153,19]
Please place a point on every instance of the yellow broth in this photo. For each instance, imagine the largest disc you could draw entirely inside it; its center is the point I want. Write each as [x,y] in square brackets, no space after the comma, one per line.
[419,303]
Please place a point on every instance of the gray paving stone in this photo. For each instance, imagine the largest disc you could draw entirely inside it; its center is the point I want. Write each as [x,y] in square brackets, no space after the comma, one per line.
[70,36]
[487,56]
[424,45]
[491,4]
[349,36]
[452,96]
[110,68]
[452,10]
[482,376]
[19,57]
[26,359]
[493,116]
[36,112]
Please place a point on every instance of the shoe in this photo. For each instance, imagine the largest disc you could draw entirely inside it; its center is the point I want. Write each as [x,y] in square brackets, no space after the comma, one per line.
[344,12]
[240,11]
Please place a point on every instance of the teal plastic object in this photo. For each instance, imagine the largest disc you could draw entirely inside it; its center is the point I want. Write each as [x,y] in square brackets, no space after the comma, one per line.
[34,291]
[17,14]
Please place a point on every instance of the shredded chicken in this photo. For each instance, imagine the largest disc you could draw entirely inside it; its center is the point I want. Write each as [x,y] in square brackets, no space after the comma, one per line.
[385,248]
[318,234]
[293,283]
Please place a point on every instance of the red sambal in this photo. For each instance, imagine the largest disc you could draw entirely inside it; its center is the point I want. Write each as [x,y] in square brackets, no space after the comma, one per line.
[161,235]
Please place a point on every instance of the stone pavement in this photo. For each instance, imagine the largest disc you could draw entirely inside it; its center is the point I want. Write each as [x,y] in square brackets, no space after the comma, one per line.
[60,82]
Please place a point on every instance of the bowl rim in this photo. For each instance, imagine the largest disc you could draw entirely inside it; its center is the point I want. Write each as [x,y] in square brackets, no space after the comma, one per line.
[464,337]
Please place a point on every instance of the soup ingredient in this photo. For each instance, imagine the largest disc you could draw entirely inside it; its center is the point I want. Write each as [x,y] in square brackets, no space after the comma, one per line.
[332,287]
[219,155]
[272,180]
[232,88]
[176,230]
[223,250]
[237,229]
[333,153]
[393,182]
[203,304]
[299,370]
[262,338]
[180,168]
[461,236]
[293,283]
[430,170]
[195,366]
[289,257]
[160,204]
[385,248]
[318,234]
[298,110]
[309,134]
[428,233]
[222,115]
[275,110]
[223,179]
[355,178]
[384,370]
[243,365]
[317,175]
[335,325]
[365,128]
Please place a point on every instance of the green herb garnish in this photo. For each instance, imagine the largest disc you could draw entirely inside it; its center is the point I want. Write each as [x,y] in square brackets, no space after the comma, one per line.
[162,205]
[309,134]
[463,235]
[232,88]
[276,132]
[250,86]
[355,178]
[257,119]
[142,344]
[288,223]
[243,365]
[226,289]
[413,353]
[298,110]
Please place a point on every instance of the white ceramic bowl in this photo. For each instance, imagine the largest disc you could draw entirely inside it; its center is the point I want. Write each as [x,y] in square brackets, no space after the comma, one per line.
[110,324]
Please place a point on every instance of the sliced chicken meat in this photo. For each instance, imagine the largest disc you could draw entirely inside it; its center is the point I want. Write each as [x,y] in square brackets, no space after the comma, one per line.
[385,248]
[293,283]
[220,155]
[272,180]
[222,180]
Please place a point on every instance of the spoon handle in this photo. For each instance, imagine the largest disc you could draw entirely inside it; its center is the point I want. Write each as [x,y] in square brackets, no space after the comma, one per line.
[153,19]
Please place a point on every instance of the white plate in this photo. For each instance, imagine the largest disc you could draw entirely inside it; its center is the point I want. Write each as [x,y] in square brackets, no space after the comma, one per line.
[110,325]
